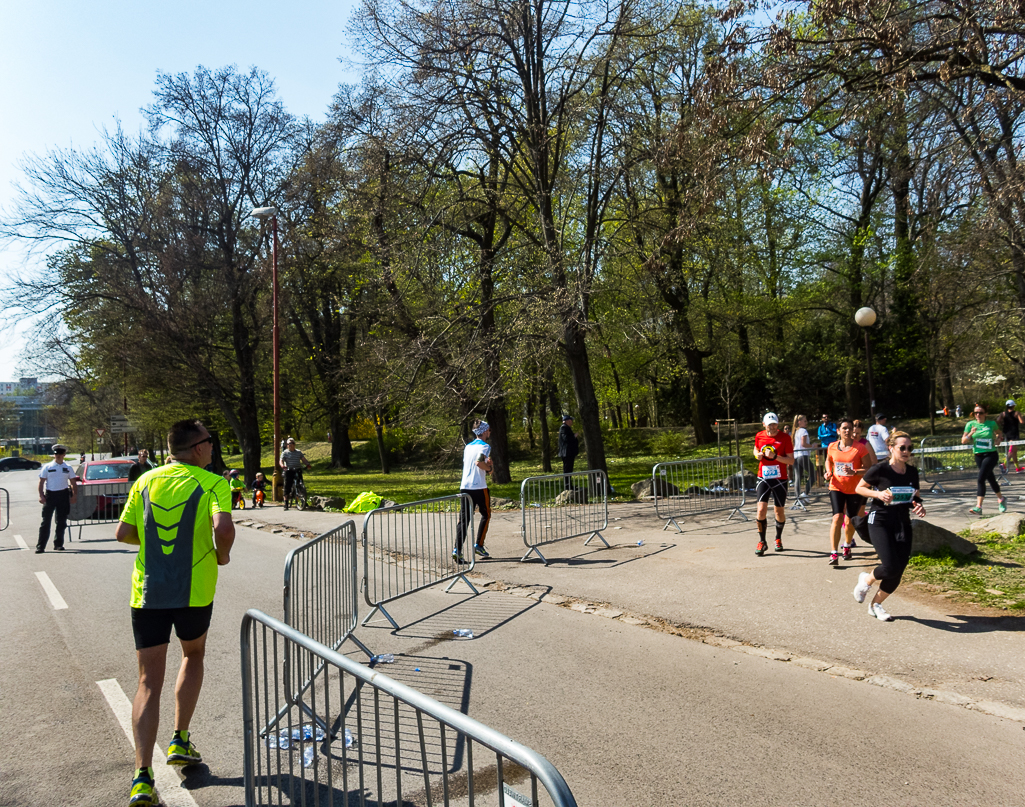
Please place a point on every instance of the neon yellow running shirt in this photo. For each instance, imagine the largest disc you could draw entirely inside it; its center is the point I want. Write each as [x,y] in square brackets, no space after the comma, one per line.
[172,508]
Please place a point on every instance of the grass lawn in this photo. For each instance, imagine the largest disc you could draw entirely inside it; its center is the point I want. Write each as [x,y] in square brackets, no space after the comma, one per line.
[992,577]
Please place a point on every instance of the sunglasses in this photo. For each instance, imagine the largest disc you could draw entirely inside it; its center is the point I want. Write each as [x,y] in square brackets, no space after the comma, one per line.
[208,439]
[904,449]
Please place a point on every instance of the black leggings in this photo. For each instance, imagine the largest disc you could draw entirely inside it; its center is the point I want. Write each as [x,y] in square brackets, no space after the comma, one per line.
[480,499]
[987,462]
[891,539]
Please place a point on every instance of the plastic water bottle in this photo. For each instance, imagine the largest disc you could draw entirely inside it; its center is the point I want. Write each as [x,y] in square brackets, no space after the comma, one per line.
[384,658]
[463,632]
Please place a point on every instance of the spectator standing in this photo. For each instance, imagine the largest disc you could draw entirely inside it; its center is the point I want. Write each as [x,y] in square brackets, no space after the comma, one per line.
[878,434]
[292,461]
[984,435]
[180,518]
[56,494]
[774,451]
[1010,421]
[474,483]
[826,435]
[804,471]
[569,446]
[894,490]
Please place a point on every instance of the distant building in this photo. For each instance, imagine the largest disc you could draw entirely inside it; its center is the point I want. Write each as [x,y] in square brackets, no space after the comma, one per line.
[23,423]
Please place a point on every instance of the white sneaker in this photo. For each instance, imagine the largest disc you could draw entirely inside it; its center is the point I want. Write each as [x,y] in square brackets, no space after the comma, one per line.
[876,609]
[863,586]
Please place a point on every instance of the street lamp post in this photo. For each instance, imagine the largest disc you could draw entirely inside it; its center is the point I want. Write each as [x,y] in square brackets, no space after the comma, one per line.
[866,318]
[272,214]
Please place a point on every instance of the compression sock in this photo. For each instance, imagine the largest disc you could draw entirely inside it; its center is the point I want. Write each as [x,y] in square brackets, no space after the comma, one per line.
[762,523]
[779,529]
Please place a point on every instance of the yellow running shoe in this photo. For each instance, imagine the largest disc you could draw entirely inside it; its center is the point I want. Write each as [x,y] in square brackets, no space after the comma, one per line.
[181,751]
[143,794]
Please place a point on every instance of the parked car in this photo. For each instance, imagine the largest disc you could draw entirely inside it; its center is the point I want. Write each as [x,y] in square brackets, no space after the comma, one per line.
[99,474]
[19,464]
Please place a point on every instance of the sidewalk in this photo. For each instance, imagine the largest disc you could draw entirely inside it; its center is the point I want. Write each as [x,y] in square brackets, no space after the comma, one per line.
[707,583]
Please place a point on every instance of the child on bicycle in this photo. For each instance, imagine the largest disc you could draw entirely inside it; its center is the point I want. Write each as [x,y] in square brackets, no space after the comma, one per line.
[259,487]
[238,487]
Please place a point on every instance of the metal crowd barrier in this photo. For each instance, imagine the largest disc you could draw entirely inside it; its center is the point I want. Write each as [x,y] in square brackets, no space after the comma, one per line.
[385,743]
[546,519]
[5,509]
[408,547]
[98,503]
[320,602]
[944,459]
[694,487]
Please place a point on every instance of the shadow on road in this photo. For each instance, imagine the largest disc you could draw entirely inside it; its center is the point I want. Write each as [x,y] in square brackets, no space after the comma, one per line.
[972,624]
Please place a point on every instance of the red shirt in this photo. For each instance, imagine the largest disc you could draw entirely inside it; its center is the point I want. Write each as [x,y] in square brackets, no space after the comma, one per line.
[772,469]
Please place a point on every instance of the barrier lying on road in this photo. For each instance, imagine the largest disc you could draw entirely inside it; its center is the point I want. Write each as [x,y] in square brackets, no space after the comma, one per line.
[98,503]
[385,743]
[944,459]
[695,487]
[563,506]
[320,602]
[5,509]
[408,547]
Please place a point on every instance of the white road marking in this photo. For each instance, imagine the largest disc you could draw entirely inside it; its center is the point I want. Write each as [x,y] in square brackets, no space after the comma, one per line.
[56,600]
[166,779]
[21,542]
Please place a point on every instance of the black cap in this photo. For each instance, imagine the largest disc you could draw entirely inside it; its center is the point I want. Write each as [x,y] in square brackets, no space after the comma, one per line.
[567,417]
[880,416]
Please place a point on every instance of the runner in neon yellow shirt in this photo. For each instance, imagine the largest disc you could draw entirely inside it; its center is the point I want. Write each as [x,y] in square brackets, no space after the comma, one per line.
[179,516]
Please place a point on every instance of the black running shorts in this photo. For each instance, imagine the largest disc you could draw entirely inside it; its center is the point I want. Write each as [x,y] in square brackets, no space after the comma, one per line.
[152,626]
[776,489]
[845,502]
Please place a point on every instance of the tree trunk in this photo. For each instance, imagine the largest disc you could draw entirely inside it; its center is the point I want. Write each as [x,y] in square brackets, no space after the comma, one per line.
[381,450]
[546,440]
[341,445]
[498,420]
[587,401]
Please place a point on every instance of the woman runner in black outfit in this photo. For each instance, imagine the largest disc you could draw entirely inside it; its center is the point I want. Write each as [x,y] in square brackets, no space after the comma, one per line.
[892,486]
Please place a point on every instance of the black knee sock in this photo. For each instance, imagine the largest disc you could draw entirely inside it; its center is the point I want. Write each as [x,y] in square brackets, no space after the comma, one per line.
[762,524]
[779,529]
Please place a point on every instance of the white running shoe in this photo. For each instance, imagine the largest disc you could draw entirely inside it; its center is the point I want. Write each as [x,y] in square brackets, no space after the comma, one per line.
[863,586]
[876,609]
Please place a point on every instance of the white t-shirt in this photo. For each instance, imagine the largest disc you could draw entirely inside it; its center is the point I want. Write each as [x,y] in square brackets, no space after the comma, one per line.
[877,436]
[474,477]
[801,437]
[57,476]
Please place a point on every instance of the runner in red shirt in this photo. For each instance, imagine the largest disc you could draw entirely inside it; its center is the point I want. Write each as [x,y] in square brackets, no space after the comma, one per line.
[774,451]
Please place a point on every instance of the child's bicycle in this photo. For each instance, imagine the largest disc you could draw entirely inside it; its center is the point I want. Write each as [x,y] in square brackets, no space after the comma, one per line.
[258,498]
[239,497]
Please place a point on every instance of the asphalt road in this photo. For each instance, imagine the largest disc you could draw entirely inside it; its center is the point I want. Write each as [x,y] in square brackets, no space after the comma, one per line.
[629,715]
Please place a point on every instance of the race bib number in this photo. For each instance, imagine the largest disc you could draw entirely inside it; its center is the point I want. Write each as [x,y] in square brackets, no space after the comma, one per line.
[984,442]
[843,468]
[902,495]
[770,472]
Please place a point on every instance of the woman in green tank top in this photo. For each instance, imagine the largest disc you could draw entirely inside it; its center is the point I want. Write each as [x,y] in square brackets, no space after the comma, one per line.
[984,435]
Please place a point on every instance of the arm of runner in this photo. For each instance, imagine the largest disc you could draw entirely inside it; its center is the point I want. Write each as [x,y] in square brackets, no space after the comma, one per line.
[866,490]
[224,537]
[126,533]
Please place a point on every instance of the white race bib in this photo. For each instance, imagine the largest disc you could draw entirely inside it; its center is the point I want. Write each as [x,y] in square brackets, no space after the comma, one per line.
[770,472]
[984,442]
[843,468]
[902,495]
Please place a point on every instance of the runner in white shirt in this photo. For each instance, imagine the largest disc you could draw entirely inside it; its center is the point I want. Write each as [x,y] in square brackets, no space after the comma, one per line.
[474,482]
[877,437]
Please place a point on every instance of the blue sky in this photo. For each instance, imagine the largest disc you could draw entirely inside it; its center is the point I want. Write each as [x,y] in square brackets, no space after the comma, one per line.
[70,69]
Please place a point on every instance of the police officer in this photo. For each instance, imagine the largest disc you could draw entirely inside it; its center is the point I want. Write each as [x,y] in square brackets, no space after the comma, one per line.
[56,494]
